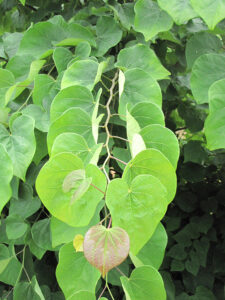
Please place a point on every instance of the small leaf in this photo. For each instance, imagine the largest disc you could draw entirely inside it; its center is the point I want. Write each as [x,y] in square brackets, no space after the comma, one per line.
[78,243]
[106,248]
[137,145]
[71,179]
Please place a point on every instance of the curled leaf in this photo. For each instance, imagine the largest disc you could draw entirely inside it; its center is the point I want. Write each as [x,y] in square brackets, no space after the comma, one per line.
[106,248]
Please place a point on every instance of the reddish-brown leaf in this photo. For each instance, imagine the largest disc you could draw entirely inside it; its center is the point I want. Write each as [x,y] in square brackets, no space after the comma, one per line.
[106,248]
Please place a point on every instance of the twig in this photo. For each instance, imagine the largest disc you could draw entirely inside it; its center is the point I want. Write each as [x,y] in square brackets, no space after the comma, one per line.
[110,222]
[106,124]
[102,292]
[119,138]
[122,162]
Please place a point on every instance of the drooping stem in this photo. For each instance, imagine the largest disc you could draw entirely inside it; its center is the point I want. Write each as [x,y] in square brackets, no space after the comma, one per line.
[102,292]
[110,222]
[94,186]
[106,283]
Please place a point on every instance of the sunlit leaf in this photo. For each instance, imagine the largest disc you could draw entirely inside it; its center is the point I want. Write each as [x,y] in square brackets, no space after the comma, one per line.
[78,243]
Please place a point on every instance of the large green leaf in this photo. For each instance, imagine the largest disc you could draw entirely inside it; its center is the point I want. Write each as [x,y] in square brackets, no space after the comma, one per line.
[212,11]
[106,248]
[73,96]
[6,174]
[81,72]
[152,253]
[142,57]
[211,64]
[9,265]
[76,144]
[144,283]
[73,120]
[214,124]
[7,80]
[201,43]
[154,163]
[84,295]
[28,290]
[108,34]
[63,233]
[20,143]
[180,10]
[137,207]
[150,19]
[147,114]
[163,139]
[70,272]
[139,86]
[40,40]
[59,200]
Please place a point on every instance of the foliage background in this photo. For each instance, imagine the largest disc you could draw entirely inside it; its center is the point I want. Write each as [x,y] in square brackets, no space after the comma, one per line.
[194,263]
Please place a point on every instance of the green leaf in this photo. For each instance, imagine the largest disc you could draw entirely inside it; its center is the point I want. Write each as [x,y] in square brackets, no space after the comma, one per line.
[41,234]
[84,295]
[214,66]
[82,50]
[28,290]
[9,265]
[70,272]
[7,80]
[163,139]
[152,253]
[76,144]
[147,61]
[20,144]
[73,120]
[152,162]
[212,11]
[214,124]
[41,146]
[108,35]
[73,96]
[6,174]
[144,283]
[22,1]
[194,152]
[201,43]
[150,19]
[126,14]
[15,226]
[41,117]
[180,10]
[147,114]
[43,88]
[82,73]
[49,186]
[132,129]
[139,87]
[41,39]
[106,248]
[63,233]
[137,207]
[62,56]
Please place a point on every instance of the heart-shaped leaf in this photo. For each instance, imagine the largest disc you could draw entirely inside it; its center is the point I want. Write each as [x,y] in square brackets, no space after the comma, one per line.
[106,248]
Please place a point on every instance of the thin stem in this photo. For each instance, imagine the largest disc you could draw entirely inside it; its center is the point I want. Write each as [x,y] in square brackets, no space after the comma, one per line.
[107,122]
[119,138]
[120,271]
[106,283]
[94,186]
[110,222]
[105,86]
[122,162]
[106,77]
[106,217]
[25,103]
[102,292]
